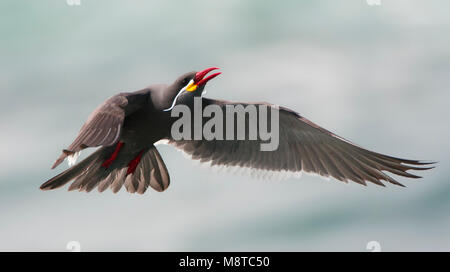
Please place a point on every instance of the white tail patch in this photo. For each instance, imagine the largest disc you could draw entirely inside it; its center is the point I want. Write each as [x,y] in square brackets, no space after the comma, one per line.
[72,159]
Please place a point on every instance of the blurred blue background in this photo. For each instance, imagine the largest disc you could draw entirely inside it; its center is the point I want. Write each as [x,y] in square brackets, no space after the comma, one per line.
[376,75]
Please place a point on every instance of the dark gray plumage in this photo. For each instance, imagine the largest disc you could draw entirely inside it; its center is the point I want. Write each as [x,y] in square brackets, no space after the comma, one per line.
[304,146]
[127,125]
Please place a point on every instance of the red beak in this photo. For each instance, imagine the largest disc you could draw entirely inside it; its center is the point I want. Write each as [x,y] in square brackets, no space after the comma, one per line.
[200,79]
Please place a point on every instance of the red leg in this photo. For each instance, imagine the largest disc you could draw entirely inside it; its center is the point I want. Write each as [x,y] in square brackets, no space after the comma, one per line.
[132,165]
[109,161]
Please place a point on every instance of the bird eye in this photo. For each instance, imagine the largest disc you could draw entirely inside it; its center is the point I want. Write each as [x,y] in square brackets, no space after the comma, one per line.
[185,81]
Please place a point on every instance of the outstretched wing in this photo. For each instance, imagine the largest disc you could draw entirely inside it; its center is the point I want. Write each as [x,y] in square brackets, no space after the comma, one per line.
[303,146]
[104,125]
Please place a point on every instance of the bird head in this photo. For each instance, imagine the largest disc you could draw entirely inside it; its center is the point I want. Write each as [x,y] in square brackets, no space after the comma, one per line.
[198,82]
[192,84]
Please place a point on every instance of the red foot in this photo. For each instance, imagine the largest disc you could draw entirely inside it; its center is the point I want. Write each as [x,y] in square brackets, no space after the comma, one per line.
[132,165]
[109,161]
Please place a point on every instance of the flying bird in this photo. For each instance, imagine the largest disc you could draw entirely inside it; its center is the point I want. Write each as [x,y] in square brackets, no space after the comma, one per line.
[126,127]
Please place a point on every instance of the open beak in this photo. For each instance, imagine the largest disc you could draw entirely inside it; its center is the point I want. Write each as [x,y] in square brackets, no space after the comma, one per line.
[200,79]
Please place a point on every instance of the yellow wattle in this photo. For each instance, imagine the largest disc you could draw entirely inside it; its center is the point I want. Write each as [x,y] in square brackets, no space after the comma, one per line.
[192,87]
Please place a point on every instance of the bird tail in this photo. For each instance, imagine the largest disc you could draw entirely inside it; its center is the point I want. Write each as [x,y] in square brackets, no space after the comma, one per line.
[89,173]
[73,172]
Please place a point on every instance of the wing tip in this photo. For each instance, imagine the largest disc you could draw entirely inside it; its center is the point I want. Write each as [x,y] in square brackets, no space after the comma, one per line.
[58,161]
[61,158]
[418,162]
